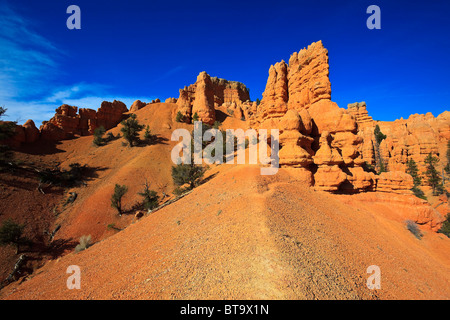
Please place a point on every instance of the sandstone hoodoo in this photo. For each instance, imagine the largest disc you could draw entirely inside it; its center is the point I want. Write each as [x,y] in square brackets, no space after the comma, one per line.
[208,93]
[303,85]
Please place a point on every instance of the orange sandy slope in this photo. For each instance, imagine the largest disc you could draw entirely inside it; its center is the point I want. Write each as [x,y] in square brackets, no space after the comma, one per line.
[238,236]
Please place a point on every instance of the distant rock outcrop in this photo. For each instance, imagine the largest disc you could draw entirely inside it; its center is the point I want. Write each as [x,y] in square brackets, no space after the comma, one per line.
[412,138]
[69,121]
[208,93]
[137,105]
[171,100]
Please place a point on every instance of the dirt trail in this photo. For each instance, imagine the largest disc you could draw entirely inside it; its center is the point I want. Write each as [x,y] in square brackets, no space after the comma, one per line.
[244,236]
[238,236]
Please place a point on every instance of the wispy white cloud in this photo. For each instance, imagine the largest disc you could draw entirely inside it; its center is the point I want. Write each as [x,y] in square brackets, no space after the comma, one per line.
[29,67]
[81,95]
[26,58]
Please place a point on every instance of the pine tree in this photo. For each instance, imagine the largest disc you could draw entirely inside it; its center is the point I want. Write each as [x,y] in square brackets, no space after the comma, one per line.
[7,130]
[148,136]
[447,167]
[445,229]
[195,117]
[179,117]
[11,234]
[433,178]
[131,129]
[98,136]
[190,174]
[116,198]
[150,197]
[379,136]
[411,168]
[147,133]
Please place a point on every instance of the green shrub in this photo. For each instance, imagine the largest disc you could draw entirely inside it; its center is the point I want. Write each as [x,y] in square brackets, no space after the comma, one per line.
[7,130]
[419,193]
[411,168]
[151,198]
[179,117]
[189,174]
[64,178]
[11,234]
[445,228]
[98,136]
[116,198]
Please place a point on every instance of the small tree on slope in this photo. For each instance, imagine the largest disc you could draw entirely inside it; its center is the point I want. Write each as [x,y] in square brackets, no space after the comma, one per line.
[150,197]
[116,198]
[433,178]
[130,130]
[411,168]
[11,234]
[7,130]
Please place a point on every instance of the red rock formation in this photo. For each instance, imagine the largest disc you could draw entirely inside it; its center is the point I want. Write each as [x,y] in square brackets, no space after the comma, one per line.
[67,122]
[395,182]
[359,112]
[171,100]
[413,138]
[304,86]
[295,147]
[209,94]
[203,104]
[275,96]
[138,104]
[88,121]
[328,176]
[110,114]
[50,131]
[308,80]
[31,132]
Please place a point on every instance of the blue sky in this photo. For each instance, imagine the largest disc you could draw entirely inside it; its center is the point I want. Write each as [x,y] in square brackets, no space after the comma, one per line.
[130,50]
